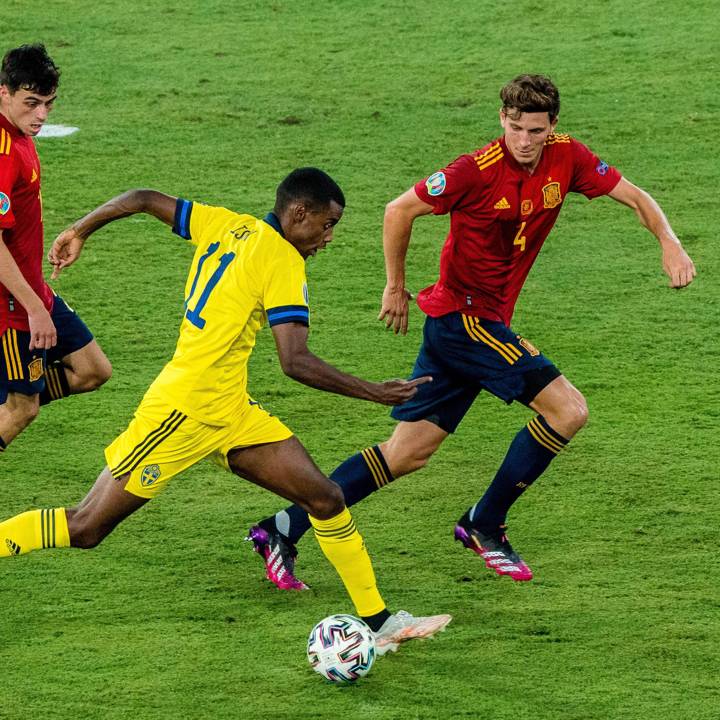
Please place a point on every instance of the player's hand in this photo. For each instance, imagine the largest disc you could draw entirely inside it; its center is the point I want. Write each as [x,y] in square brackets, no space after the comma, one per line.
[43,334]
[394,310]
[678,266]
[65,250]
[396,392]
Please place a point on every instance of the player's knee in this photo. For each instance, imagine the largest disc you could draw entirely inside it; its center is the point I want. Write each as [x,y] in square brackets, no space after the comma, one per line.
[575,414]
[402,459]
[328,504]
[97,375]
[25,411]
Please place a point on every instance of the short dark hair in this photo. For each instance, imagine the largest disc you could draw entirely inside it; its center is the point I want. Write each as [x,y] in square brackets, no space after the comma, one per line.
[315,187]
[31,68]
[531,93]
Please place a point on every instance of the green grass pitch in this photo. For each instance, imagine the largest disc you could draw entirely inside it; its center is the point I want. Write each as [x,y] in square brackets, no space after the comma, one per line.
[217,101]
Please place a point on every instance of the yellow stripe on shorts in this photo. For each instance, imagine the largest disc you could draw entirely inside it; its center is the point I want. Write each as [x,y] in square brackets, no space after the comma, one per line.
[11,351]
[477,332]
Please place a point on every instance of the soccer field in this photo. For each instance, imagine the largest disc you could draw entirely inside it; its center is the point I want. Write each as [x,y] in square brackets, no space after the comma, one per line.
[216,102]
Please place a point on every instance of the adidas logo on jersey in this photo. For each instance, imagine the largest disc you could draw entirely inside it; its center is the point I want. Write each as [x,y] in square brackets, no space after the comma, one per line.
[502,204]
[13,547]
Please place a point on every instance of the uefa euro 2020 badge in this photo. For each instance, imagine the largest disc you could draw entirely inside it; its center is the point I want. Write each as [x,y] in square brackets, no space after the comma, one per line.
[435,184]
[4,203]
[149,475]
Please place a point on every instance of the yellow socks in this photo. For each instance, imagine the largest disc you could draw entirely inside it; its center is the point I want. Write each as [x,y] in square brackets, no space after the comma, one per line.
[344,548]
[34,530]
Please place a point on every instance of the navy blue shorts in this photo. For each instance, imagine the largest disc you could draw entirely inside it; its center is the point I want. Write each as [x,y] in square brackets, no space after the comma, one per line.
[22,370]
[465,355]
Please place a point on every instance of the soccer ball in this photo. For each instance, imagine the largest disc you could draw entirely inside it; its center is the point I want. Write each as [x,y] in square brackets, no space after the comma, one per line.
[341,648]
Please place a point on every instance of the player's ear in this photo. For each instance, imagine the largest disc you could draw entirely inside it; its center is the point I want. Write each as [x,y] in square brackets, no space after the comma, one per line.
[299,211]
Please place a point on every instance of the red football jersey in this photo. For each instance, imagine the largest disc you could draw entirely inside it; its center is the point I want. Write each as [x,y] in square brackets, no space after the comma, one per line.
[499,218]
[21,220]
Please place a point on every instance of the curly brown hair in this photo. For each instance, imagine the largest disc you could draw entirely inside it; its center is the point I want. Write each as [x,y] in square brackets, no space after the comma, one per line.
[531,93]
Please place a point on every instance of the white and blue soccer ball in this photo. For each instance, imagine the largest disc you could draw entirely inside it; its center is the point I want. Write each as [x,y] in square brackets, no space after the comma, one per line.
[341,648]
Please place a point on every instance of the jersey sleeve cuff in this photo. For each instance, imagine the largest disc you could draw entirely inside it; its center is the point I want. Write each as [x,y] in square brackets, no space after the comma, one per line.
[181,224]
[289,313]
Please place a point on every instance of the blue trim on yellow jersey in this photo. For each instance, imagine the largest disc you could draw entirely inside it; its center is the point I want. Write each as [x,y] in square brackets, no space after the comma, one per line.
[274,222]
[181,225]
[289,313]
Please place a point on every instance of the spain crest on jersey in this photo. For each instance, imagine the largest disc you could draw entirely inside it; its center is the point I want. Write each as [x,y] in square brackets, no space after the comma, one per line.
[35,369]
[551,195]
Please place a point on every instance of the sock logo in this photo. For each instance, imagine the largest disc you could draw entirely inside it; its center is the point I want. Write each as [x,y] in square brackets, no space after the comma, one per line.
[13,547]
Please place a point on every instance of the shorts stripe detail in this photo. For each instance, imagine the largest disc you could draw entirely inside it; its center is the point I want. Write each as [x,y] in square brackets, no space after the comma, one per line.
[544,437]
[380,473]
[13,361]
[477,332]
[9,368]
[18,358]
[168,426]
[340,533]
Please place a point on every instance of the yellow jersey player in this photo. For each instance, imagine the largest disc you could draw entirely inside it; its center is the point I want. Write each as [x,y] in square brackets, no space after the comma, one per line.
[246,272]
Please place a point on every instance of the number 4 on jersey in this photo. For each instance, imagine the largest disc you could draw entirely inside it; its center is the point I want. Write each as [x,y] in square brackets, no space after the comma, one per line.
[193,315]
[520,238]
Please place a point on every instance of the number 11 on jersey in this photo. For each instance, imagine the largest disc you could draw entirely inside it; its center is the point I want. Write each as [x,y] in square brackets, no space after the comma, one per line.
[193,315]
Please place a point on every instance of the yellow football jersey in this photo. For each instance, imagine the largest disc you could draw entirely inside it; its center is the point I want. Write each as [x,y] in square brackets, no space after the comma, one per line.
[244,274]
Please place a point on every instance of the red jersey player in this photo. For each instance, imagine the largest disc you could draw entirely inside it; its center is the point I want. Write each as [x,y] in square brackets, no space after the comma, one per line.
[47,350]
[503,201]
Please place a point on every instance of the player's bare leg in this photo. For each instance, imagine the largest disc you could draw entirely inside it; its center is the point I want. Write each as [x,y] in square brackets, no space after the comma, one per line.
[16,413]
[411,446]
[563,406]
[286,469]
[101,511]
[83,526]
[86,369]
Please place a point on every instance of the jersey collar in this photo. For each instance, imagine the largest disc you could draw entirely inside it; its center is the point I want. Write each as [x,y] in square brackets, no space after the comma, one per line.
[272,220]
[5,123]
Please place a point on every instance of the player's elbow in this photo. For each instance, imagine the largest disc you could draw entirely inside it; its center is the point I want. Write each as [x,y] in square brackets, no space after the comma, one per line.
[394,211]
[293,369]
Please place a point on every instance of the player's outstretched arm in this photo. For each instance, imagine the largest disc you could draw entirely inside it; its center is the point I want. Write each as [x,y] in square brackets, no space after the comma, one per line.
[676,262]
[397,226]
[69,243]
[300,364]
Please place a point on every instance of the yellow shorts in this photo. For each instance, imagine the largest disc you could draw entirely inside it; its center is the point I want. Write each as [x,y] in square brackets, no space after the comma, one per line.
[161,442]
